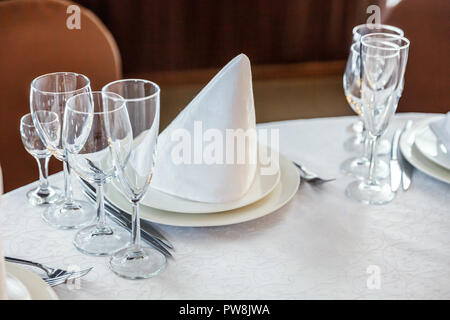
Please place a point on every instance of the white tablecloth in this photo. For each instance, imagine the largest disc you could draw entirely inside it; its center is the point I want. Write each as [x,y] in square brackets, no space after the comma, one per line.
[320,245]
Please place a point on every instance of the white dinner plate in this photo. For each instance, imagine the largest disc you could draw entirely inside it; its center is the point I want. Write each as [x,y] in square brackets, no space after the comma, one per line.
[416,158]
[36,287]
[261,186]
[281,194]
[430,146]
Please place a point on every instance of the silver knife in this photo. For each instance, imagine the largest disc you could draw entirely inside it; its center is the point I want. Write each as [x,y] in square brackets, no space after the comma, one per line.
[394,165]
[407,167]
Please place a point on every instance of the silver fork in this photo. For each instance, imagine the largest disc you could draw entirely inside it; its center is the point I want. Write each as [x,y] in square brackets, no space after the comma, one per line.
[63,278]
[54,276]
[310,176]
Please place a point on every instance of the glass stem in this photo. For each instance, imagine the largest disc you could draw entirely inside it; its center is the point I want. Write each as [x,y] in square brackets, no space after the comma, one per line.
[136,228]
[67,185]
[366,147]
[101,219]
[43,174]
[373,140]
[101,228]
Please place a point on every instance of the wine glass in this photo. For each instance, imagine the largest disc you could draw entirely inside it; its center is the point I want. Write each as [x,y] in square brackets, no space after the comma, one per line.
[44,193]
[358,166]
[135,172]
[48,95]
[383,63]
[357,143]
[86,119]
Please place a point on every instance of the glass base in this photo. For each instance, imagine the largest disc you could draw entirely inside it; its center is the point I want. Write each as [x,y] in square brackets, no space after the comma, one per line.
[73,216]
[358,167]
[137,264]
[97,241]
[375,193]
[39,197]
[356,144]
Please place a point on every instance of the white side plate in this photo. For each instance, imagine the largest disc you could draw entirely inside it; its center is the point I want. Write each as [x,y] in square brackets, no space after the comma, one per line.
[283,192]
[430,146]
[416,158]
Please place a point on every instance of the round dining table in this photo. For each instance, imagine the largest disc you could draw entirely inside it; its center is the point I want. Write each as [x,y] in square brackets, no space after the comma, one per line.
[320,245]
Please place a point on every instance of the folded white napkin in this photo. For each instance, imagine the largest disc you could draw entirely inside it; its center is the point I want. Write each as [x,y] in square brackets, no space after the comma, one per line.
[441,129]
[226,102]
[2,260]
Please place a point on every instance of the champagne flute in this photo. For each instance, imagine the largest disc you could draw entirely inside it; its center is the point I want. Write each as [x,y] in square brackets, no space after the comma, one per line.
[44,193]
[48,95]
[383,61]
[86,119]
[135,172]
[358,166]
[357,142]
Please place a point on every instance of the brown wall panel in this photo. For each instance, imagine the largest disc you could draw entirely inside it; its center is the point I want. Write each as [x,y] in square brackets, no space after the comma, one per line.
[167,35]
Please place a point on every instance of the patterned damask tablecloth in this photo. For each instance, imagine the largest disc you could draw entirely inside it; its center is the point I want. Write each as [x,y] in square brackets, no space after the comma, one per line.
[320,245]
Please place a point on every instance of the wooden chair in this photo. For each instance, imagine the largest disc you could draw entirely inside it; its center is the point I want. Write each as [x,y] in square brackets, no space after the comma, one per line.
[426,25]
[35,40]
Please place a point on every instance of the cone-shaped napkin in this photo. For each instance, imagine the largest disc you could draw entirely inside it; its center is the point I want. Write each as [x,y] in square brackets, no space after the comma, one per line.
[192,151]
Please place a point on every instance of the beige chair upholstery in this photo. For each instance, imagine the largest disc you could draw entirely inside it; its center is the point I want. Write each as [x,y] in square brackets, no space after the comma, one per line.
[35,40]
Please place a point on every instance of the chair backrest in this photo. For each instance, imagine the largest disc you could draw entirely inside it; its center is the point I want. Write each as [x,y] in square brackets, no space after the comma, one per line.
[35,39]
[426,25]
